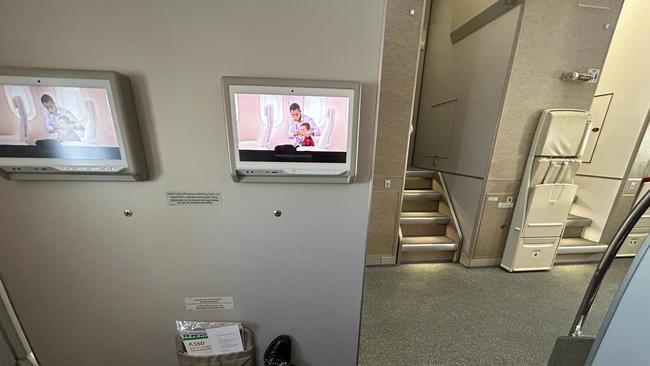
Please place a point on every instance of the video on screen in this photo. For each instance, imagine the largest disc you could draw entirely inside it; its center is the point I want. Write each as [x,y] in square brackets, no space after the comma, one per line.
[56,122]
[292,128]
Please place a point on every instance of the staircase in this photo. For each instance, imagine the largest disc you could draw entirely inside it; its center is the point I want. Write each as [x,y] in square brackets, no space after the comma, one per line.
[427,231]
[573,247]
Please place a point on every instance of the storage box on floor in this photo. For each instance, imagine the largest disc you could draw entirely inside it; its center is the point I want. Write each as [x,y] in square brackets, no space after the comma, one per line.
[244,358]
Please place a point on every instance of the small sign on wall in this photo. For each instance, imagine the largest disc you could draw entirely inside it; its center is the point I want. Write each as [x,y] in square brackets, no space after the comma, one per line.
[209,303]
[182,198]
[501,200]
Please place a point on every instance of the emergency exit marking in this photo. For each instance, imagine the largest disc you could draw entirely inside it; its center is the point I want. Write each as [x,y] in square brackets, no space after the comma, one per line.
[193,198]
[209,303]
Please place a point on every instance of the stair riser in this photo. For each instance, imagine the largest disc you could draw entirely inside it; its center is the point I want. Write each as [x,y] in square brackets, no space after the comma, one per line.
[420,173]
[423,230]
[572,232]
[421,195]
[409,248]
[578,223]
[416,257]
[424,221]
[418,183]
[421,206]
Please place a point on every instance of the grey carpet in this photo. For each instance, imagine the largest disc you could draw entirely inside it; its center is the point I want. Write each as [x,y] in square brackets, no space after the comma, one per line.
[445,314]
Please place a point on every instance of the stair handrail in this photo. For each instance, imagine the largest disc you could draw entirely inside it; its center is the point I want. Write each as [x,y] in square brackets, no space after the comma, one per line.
[605,262]
[454,218]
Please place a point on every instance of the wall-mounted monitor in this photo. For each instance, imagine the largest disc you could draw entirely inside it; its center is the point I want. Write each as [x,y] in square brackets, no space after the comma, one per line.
[68,125]
[283,130]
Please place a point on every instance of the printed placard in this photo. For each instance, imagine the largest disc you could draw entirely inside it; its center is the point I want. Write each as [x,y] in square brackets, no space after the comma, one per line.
[193,198]
[209,303]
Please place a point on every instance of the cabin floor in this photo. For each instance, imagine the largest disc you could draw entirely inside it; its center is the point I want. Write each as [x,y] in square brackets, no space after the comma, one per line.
[446,314]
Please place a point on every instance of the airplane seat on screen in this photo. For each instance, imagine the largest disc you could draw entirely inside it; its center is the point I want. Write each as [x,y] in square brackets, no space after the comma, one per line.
[326,131]
[20,136]
[90,134]
[84,110]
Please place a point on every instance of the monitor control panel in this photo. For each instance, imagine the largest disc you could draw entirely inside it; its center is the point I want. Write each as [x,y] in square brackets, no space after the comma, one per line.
[291,172]
[64,168]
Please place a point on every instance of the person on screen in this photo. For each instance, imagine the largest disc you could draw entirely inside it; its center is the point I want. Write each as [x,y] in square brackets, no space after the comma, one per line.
[60,120]
[296,118]
[305,135]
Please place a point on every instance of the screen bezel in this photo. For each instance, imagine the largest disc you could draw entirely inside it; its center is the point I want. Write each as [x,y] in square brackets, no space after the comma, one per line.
[50,81]
[351,90]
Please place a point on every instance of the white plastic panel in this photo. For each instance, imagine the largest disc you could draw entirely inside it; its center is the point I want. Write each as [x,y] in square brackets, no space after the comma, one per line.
[632,244]
[599,108]
[644,222]
[548,208]
[535,254]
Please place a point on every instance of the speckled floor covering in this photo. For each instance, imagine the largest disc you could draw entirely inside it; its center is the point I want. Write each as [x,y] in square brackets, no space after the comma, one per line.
[445,314]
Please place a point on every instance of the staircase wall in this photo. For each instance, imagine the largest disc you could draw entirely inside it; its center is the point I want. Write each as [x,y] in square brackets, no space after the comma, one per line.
[555,36]
[473,72]
[400,53]
[626,77]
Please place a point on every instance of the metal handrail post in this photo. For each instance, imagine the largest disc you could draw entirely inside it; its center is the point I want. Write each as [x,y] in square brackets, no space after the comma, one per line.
[605,262]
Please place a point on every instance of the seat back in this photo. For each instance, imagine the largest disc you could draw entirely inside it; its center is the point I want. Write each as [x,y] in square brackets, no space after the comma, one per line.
[563,133]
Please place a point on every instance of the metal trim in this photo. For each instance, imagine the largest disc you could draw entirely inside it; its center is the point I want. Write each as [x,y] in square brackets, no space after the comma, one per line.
[452,212]
[582,249]
[604,264]
[493,12]
[400,237]
[10,328]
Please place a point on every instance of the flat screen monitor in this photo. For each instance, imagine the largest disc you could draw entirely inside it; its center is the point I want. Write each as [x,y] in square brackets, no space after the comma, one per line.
[61,124]
[283,130]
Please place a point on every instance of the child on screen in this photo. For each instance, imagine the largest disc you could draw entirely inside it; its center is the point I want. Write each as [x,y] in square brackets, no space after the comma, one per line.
[305,135]
[295,121]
